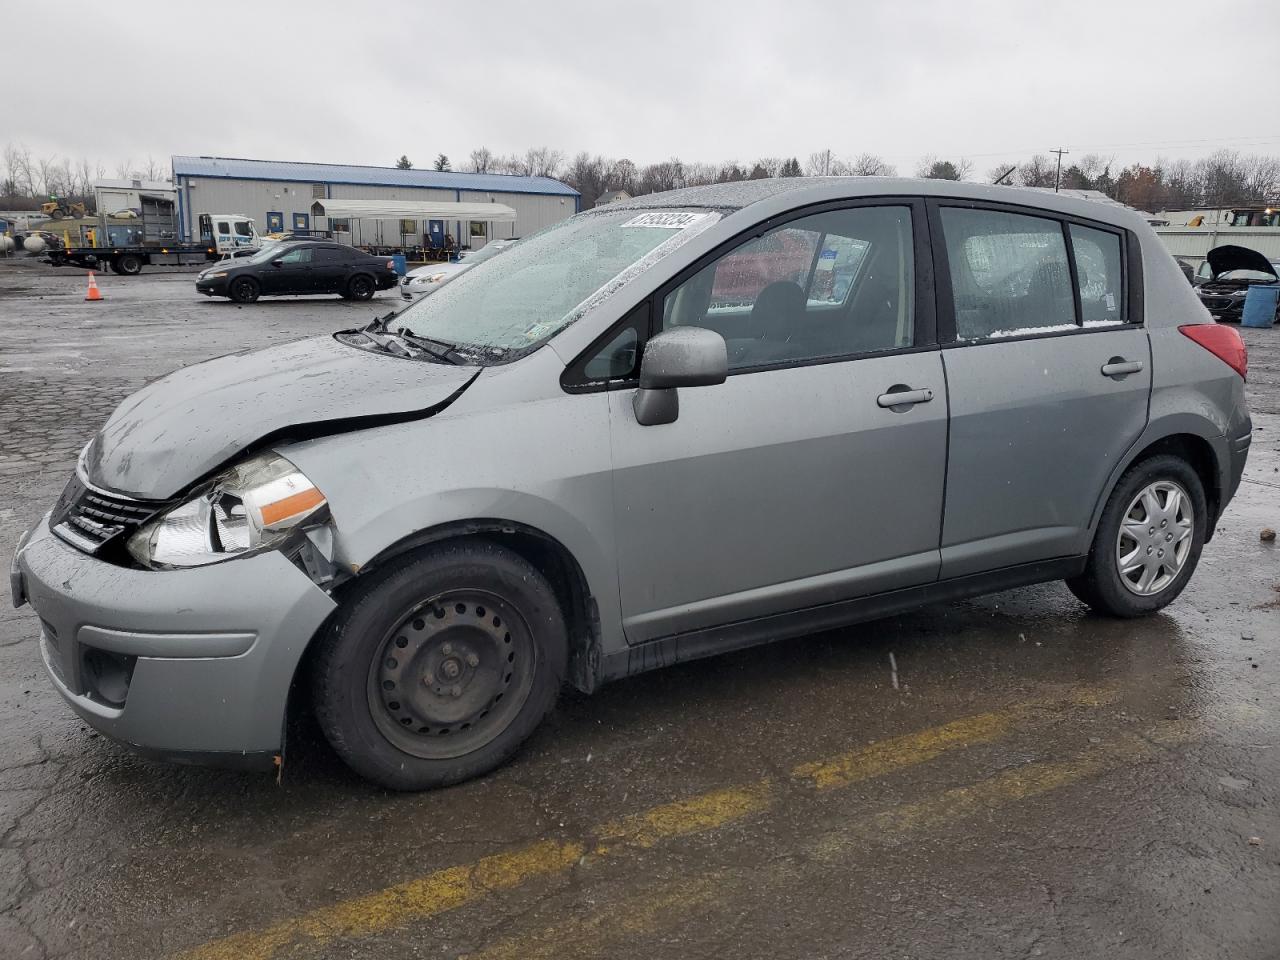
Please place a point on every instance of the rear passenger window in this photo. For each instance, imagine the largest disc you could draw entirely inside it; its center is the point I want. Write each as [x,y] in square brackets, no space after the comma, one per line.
[1098,274]
[833,284]
[1009,274]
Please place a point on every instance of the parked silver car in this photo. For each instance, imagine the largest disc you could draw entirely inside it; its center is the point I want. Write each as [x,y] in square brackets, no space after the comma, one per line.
[657,431]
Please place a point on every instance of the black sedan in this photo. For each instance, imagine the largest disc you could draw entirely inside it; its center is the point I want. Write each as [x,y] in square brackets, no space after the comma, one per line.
[1233,271]
[299,268]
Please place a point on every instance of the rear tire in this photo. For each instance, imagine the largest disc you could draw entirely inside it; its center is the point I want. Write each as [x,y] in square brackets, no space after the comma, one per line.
[436,669]
[360,287]
[1148,540]
[244,290]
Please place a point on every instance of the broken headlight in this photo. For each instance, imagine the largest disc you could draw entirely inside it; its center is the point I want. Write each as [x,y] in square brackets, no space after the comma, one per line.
[256,505]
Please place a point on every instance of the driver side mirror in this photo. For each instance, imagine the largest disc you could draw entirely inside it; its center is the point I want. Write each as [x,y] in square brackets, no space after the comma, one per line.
[683,357]
[277,263]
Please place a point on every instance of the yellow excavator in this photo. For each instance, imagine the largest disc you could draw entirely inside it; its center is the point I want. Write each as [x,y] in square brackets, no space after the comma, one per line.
[58,207]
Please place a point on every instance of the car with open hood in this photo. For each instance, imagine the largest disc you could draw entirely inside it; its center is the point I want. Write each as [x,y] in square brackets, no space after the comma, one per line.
[1232,270]
[658,430]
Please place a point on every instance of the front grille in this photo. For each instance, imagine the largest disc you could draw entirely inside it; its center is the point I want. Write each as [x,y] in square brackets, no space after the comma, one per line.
[1217,303]
[89,519]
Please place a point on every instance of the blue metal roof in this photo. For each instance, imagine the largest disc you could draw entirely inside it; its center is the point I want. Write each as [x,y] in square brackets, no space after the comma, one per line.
[234,169]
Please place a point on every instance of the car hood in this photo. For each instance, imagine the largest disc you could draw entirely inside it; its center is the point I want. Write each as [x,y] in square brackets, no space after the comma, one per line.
[1231,257]
[183,427]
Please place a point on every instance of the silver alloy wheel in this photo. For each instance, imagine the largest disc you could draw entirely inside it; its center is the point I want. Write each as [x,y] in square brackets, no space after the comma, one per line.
[1155,538]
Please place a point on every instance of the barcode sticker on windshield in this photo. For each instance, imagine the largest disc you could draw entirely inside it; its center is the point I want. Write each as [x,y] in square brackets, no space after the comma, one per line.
[667,221]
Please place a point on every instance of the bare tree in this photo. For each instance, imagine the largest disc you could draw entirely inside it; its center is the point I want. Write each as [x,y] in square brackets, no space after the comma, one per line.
[543,162]
[870,165]
[153,170]
[19,169]
[480,161]
[822,163]
[667,175]
[1262,177]
[1036,172]
[623,175]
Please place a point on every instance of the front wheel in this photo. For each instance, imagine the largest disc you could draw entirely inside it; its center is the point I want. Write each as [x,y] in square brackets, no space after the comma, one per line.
[245,290]
[437,670]
[1148,541]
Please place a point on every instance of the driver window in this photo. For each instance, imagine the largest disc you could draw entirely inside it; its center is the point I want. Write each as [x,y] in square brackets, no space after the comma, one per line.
[833,284]
[301,255]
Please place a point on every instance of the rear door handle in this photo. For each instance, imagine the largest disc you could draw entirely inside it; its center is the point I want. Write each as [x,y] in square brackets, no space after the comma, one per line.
[904,398]
[1118,367]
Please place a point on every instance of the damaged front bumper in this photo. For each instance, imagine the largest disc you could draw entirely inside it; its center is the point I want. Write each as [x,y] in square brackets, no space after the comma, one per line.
[191,665]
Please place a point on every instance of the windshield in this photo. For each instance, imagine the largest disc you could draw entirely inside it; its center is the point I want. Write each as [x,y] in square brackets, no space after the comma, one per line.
[268,252]
[542,284]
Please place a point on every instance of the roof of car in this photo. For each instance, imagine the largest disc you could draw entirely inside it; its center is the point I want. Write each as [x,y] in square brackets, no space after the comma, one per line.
[743,193]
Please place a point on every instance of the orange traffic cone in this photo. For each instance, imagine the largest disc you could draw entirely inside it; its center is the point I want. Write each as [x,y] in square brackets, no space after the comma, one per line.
[94,293]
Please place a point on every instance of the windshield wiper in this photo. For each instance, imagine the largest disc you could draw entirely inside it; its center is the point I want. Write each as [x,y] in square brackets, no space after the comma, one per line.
[394,341]
[436,348]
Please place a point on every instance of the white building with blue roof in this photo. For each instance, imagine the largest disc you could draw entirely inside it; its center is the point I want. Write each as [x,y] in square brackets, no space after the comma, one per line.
[289,197]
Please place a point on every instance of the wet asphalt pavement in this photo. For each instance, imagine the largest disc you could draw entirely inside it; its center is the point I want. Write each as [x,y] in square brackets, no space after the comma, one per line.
[1040,782]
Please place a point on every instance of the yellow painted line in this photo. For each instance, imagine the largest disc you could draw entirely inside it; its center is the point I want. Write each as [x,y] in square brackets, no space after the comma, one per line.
[694,815]
[913,748]
[394,906]
[879,759]
[655,908]
[454,887]
[596,932]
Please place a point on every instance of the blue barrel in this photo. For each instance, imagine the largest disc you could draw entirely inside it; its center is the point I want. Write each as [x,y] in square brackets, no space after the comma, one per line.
[402,265]
[1260,305]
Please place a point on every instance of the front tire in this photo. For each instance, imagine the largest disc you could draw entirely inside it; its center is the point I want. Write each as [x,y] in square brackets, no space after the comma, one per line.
[244,290]
[437,669]
[1148,540]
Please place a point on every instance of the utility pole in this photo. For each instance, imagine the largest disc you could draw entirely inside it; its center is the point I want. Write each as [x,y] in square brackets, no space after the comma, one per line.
[1057,174]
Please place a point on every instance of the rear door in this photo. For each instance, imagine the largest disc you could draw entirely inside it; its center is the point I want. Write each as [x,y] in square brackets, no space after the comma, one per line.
[1048,375]
[329,266]
[797,482]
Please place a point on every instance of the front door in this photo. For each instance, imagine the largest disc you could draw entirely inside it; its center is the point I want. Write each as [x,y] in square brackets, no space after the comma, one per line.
[799,481]
[1049,374]
[293,275]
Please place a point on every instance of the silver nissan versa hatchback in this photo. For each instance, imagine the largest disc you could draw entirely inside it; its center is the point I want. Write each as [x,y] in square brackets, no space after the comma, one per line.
[656,431]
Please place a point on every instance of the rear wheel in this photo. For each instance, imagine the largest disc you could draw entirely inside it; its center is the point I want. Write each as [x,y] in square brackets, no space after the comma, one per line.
[360,287]
[130,264]
[1148,541]
[437,670]
[245,290]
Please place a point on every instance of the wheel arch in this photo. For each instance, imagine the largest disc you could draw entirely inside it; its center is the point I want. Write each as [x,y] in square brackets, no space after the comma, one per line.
[545,552]
[1192,439]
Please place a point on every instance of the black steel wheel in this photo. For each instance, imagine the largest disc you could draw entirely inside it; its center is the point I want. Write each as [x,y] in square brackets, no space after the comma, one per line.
[245,290]
[436,669]
[360,287]
[452,674]
[130,265]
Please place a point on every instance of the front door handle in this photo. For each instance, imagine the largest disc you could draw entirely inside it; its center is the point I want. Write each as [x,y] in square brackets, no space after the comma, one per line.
[1119,367]
[903,397]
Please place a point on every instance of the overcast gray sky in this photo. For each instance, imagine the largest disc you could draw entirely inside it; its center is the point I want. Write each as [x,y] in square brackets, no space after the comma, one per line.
[365,82]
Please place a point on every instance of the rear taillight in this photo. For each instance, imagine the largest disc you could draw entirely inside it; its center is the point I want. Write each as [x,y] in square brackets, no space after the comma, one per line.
[391,265]
[1223,342]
